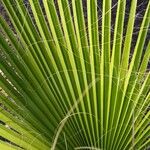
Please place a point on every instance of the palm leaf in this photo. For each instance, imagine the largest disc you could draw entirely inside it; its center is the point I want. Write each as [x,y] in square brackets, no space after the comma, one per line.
[66,83]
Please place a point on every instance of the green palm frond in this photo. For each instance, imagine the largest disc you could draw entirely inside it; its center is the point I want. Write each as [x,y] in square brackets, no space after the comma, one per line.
[68,82]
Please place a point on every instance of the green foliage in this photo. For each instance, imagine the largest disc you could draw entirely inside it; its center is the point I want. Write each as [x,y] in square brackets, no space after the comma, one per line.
[66,83]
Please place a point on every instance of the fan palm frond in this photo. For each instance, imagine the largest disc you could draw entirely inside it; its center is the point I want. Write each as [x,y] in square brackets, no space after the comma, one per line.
[68,82]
